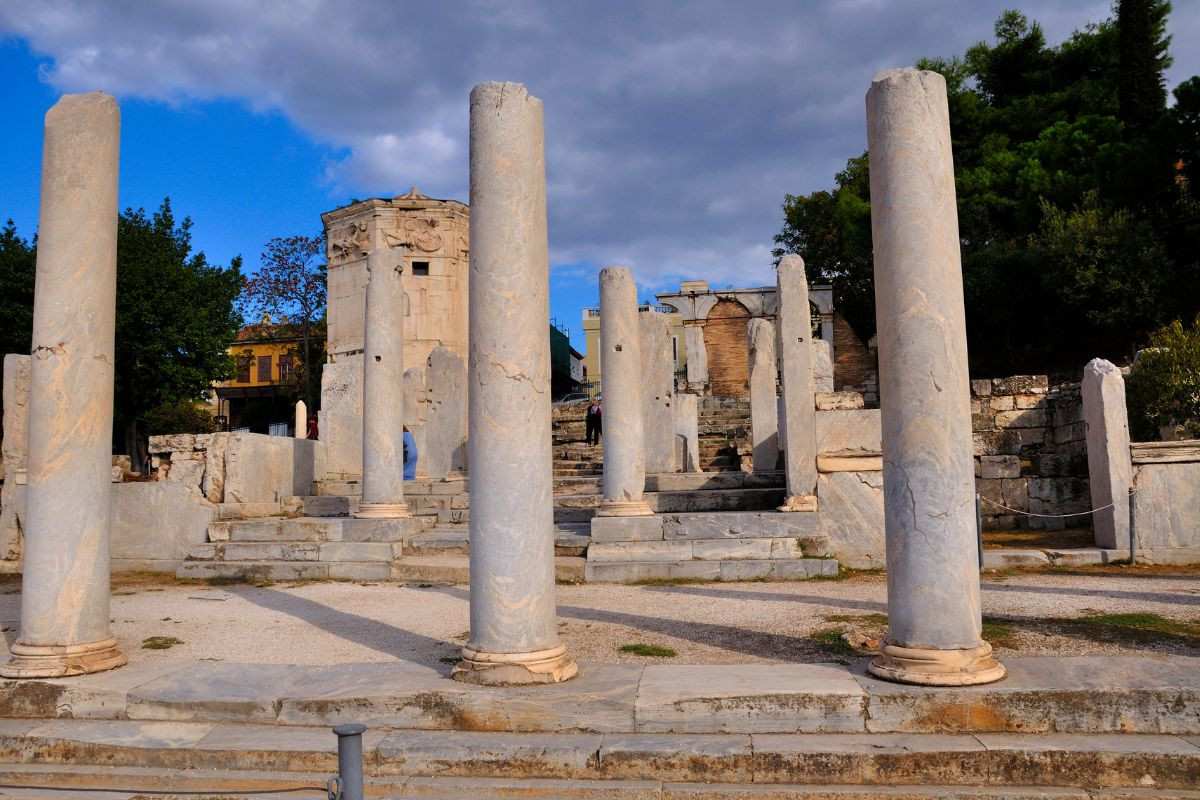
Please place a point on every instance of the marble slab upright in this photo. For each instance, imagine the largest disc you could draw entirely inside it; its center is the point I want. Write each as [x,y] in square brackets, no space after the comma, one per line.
[514,635]
[65,582]
[799,418]
[446,419]
[934,618]
[1110,467]
[658,391]
[764,408]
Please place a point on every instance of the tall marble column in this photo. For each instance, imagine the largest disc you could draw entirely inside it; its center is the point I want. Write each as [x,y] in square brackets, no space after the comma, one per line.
[799,405]
[934,620]
[621,382]
[764,408]
[65,585]
[514,638]
[383,389]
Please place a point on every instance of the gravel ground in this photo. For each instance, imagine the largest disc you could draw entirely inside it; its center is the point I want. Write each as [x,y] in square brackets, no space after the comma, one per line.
[723,623]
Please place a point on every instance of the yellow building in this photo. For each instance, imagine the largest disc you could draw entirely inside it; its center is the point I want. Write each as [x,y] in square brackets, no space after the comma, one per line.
[266,356]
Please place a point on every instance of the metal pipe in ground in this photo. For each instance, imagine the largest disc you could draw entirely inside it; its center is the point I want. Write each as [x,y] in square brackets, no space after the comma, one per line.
[979,528]
[1132,532]
[347,784]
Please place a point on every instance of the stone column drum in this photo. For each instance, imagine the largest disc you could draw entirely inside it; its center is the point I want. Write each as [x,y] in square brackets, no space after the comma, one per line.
[621,382]
[514,637]
[764,408]
[934,633]
[799,406]
[383,389]
[65,585]
[300,431]
[1110,467]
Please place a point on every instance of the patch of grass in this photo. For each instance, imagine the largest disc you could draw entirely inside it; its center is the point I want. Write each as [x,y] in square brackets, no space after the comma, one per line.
[160,642]
[1142,622]
[448,660]
[1039,540]
[462,637]
[652,650]
[567,582]
[225,580]
[831,641]
[672,581]
[864,619]
[999,633]
[846,573]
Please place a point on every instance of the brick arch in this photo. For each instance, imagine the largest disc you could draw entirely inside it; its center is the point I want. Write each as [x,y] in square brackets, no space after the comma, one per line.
[725,341]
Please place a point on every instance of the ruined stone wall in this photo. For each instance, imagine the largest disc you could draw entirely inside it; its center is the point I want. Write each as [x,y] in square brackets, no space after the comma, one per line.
[1030,453]
[854,367]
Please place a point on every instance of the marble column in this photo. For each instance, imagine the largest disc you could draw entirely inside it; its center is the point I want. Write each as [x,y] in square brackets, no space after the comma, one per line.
[764,409]
[514,638]
[301,429]
[697,357]
[383,389]
[658,391]
[934,621]
[621,382]
[1110,468]
[799,406]
[65,584]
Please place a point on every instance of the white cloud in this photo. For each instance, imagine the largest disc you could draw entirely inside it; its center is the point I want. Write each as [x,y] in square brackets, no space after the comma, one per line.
[673,130]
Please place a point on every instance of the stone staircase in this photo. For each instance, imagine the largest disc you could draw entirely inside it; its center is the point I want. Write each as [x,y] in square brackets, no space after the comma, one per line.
[724,432]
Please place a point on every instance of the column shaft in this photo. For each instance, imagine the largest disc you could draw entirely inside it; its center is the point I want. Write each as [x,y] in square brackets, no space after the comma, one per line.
[65,585]
[799,406]
[764,408]
[620,368]
[928,471]
[514,637]
[383,389]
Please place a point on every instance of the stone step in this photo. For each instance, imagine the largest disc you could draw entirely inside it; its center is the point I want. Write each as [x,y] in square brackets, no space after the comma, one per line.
[313,529]
[783,569]
[456,569]
[445,540]
[254,571]
[295,551]
[768,761]
[684,501]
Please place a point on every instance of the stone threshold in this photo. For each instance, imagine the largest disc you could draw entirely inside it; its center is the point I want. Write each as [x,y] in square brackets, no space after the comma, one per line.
[1150,694]
[767,760]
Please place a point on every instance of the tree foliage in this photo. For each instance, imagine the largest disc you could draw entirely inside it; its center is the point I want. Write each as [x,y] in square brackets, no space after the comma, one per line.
[175,318]
[291,284]
[18,259]
[1163,388]
[1071,216]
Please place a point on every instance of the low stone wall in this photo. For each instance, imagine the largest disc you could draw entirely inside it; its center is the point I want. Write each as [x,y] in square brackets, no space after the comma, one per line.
[155,525]
[1030,453]
[243,468]
[1166,504]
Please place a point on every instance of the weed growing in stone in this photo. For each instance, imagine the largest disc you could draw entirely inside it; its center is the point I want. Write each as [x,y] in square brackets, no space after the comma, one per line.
[832,642]
[160,642]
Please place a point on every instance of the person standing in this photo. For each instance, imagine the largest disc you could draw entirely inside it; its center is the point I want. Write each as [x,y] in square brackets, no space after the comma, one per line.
[595,422]
[410,456]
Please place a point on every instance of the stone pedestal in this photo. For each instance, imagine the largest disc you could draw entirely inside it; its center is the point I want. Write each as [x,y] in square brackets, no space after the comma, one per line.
[621,365]
[764,410]
[514,637]
[383,390]
[301,429]
[1110,468]
[928,470]
[658,390]
[799,408]
[65,588]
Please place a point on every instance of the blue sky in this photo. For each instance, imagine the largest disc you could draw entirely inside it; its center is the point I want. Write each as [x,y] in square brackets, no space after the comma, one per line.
[673,131]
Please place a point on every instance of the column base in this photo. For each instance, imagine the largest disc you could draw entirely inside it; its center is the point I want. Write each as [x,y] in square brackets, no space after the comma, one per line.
[624,508]
[799,502]
[61,661]
[928,667]
[382,511]
[515,669]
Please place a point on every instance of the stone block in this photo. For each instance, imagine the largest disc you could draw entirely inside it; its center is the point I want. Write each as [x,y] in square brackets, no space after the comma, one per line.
[446,415]
[677,758]
[1016,493]
[852,513]
[822,366]
[748,698]
[687,427]
[14,453]
[839,401]
[632,572]
[739,524]
[761,549]
[470,753]
[161,521]
[1166,506]
[1030,401]
[1000,467]
[1021,384]
[627,529]
[1027,418]
[1002,402]
[789,569]
[677,550]
[1005,442]
[1075,432]
[1009,559]
[858,430]
[981,388]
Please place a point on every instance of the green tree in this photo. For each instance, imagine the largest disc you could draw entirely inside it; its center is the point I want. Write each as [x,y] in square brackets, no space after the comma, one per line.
[18,261]
[175,319]
[291,284]
[1163,388]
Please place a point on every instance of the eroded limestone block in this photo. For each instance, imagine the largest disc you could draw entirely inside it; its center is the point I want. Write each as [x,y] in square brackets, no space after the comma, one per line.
[764,409]
[446,418]
[658,391]
[1110,469]
[158,521]
[849,431]
[852,516]
[822,366]
[14,453]
[1167,505]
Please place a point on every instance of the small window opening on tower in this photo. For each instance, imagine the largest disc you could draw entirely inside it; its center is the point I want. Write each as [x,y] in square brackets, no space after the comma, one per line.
[420,268]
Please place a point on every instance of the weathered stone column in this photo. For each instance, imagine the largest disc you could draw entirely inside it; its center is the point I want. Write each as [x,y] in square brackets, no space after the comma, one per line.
[514,636]
[1110,467]
[301,428]
[383,389]
[799,407]
[697,357]
[65,586]
[621,382]
[764,408]
[658,390]
[928,471]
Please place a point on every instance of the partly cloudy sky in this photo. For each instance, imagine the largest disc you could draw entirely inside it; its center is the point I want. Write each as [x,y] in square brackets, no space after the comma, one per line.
[673,129]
